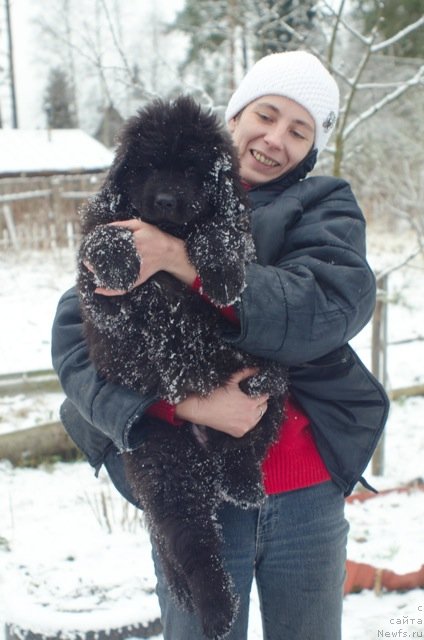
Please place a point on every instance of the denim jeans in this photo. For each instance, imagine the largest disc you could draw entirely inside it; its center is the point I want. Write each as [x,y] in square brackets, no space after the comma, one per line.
[295,547]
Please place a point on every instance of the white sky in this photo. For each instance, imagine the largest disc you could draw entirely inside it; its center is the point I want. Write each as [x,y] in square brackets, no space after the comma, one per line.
[28,90]
[30,77]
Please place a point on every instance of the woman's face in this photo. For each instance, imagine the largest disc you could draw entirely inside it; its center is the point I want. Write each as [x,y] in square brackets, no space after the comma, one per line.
[273,134]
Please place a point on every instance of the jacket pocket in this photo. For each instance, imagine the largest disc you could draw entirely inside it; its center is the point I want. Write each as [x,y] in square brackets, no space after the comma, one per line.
[347,408]
[332,365]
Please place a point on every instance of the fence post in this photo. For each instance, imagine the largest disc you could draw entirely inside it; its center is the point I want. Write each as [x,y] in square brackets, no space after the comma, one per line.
[10,225]
[379,358]
[55,201]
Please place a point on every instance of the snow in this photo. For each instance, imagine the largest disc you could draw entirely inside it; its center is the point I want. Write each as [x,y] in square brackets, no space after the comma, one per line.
[32,151]
[69,544]
[71,563]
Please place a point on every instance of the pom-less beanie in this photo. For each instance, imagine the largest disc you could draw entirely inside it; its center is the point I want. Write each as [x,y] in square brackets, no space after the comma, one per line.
[297,75]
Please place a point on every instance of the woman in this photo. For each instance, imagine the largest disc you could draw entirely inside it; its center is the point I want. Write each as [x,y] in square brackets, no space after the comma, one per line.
[310,291]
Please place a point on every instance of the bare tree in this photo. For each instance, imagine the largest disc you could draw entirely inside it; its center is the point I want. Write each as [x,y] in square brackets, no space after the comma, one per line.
[98,46]
[354,83]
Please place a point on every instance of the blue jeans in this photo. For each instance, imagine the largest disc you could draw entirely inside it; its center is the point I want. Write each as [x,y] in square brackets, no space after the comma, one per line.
[295,547]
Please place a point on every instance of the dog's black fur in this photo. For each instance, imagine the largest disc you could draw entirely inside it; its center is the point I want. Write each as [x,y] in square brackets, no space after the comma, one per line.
[176,167]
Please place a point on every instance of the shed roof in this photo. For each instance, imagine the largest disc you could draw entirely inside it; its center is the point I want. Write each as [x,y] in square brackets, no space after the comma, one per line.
[41,151]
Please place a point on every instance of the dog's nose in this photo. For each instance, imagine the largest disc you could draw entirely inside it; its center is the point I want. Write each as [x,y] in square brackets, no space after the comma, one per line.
[165,202]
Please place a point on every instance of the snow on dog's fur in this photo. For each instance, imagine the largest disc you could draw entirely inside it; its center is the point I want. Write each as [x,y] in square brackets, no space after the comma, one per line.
[175,167]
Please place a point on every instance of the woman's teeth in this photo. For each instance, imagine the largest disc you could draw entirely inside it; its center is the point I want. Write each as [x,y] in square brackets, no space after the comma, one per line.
[264,160]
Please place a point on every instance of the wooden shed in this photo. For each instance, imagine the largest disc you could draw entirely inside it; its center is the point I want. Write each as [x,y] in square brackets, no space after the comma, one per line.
[44,177]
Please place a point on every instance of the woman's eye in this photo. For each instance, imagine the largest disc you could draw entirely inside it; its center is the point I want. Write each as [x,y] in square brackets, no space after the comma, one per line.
[299,135]
[264,116]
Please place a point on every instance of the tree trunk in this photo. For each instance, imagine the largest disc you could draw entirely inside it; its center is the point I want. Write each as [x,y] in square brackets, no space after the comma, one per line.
[28,447]
[407,392]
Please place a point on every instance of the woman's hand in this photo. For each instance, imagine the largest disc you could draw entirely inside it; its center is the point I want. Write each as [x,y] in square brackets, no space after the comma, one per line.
[227,408]
[159,251]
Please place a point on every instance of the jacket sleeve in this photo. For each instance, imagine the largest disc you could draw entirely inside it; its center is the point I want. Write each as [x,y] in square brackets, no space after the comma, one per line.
[312,289]
[113,410]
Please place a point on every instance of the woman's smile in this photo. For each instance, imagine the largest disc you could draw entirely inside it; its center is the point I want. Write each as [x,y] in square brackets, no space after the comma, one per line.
[263,159]
[273,135]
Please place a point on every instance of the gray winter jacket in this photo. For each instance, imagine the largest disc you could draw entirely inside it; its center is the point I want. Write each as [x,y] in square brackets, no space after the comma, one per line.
[310,291]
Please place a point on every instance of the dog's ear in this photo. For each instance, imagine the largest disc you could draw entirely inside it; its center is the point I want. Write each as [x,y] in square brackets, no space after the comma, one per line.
[127,165]
[116,174]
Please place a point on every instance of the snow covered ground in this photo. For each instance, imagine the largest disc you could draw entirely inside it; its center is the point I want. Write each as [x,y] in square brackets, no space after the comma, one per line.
[69,543]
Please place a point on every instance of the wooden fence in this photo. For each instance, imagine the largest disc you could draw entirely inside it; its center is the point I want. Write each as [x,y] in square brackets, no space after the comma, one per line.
[42,212]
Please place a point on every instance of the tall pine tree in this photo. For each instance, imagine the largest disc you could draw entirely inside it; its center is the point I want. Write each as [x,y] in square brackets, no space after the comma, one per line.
[224,35]
[57,101]
[276,21]
[209,26]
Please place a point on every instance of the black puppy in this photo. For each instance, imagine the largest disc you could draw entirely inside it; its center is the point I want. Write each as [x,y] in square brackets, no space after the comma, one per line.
[175,167]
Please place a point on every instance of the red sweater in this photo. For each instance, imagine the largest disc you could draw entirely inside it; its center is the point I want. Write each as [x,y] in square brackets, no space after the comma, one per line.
[293,462]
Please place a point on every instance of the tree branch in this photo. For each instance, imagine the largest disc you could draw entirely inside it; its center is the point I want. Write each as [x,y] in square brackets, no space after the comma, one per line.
[379,85]
[390,97]
[340,20]
[398,36]
[342,128]
[332,44]
[116,41]
[399,265]
[282,23]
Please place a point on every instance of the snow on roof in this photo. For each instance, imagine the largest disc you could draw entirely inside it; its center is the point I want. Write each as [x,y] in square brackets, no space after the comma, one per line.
[50,151]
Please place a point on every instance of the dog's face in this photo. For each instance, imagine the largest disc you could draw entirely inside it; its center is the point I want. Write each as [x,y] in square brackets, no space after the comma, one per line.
[169,162]
[169,197]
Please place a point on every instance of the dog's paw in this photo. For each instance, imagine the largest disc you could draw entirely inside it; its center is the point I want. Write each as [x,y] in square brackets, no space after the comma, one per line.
[218,619]
[180,591]
[111,253]
[215,602]
[272,378]
[218,256]
[222,284]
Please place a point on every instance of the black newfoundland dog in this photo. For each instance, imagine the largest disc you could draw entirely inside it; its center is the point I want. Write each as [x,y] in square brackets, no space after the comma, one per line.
[175,167]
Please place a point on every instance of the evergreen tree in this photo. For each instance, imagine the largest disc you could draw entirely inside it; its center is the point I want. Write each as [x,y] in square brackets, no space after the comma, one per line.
[275,22]
[57,101]
[204,22]
[209,26]
[391,16]
[224,35]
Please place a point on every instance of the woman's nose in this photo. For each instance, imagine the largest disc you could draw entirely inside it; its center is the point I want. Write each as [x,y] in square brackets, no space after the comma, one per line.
[275,137]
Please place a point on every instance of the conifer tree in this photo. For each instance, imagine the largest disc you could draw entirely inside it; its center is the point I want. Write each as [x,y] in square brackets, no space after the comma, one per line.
[57,101]
[277,22]
[209,26]
[226,34]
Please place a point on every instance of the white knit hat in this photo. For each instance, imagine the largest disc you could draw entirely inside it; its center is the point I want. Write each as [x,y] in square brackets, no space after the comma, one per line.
[297,75]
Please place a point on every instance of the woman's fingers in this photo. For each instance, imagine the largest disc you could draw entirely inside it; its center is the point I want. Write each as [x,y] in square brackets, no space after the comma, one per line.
[133,224]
